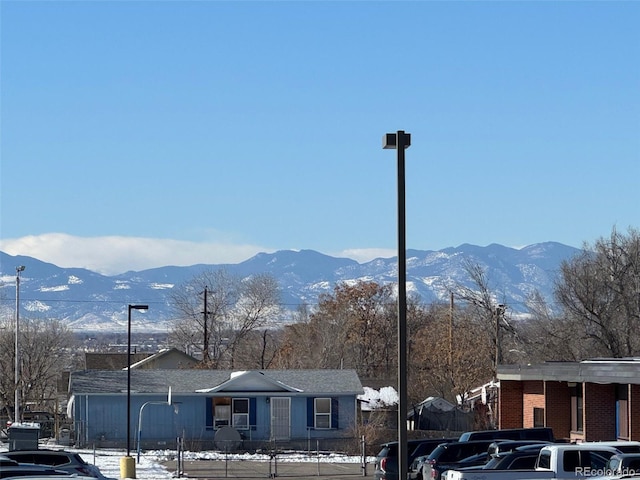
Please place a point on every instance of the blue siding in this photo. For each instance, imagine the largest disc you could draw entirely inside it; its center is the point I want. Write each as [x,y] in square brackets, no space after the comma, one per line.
[103,417]
[252,413]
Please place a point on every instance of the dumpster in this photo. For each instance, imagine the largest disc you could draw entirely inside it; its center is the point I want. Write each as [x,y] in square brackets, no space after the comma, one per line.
[23,436]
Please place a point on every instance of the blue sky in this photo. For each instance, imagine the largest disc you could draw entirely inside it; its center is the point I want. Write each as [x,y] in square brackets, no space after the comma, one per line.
[140,134]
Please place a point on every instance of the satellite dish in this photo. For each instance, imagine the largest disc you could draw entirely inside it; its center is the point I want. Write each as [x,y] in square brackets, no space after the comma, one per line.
[227,439]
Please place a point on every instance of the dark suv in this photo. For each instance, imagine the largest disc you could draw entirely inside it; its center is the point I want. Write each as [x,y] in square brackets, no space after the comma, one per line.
[387,460]
[447,456]
[536,433]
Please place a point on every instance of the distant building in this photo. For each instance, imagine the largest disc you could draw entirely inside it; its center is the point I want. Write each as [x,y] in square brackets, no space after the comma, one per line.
[591,400]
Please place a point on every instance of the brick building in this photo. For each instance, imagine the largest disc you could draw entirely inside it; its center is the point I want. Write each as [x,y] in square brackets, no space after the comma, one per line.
[592,400]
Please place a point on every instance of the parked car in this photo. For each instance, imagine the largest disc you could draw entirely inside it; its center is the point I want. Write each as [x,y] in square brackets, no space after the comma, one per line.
[479,460]
[29,471]
[536,433]
[59,459]
[510,456]
[561,461]
[451,455]
[503,446]
[386,463]
[625,446]
[416,467]
[514,460]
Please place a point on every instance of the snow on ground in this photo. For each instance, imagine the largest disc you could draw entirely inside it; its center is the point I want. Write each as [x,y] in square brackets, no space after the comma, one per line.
[108,461]
[150,465]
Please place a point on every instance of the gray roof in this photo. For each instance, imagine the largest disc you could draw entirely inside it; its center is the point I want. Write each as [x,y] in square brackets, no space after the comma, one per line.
[189,381]
[599,370]
[111,360]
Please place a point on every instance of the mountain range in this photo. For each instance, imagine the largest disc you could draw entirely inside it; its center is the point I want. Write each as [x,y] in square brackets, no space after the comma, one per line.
[90,302]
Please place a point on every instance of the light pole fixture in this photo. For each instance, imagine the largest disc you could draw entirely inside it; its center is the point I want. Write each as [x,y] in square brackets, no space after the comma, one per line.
[131,307]
[168,402]
[16,404]
[401,141]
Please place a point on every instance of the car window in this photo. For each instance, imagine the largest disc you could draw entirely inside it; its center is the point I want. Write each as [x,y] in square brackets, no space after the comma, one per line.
[597,460]
[21,457]
[544,459]
[50,459]
[384,452]
[79,459]
[628,448]
[524,463]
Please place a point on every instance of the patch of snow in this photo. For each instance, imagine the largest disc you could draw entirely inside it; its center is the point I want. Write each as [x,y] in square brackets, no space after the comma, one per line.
[73,280]
[57,288]
[373,399]
[36,306]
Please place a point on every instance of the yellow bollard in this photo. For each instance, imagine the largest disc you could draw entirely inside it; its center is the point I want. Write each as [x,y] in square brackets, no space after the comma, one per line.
[127,467]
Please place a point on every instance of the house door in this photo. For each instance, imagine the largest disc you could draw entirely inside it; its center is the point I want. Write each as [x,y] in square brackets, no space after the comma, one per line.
[280,418]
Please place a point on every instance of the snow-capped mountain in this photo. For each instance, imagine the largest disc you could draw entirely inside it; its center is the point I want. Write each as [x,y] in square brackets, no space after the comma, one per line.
[89,301]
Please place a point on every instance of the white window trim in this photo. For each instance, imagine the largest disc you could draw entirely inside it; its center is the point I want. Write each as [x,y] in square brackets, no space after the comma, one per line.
[246,425]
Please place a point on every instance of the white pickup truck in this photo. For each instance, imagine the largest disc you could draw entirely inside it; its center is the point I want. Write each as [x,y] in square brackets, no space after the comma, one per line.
[563,461]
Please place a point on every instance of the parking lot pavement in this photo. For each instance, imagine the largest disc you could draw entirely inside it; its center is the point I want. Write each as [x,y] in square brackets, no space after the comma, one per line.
[214,469]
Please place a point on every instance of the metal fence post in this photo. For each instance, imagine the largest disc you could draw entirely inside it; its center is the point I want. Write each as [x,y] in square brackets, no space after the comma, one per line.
[364,457]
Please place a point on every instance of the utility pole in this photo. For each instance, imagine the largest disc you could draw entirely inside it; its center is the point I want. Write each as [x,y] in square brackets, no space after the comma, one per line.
[17,416]
[205,342]
[451,330]
[499,312]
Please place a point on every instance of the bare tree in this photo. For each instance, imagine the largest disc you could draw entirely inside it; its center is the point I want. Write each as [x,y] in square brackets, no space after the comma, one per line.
[202,307]
[258,305]
[45,351]
[216,312]
[600,290]
[489,313]
[259,349]
[546,336]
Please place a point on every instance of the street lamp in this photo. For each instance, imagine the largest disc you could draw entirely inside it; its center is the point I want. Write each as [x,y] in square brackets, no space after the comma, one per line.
[131,307]
[400,141]
[16,412]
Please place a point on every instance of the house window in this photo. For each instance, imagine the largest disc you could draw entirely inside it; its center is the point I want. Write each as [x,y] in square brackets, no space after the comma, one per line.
[240,408]
[576,408]
[538,417]
[221,412]
[322,412]
[232,412]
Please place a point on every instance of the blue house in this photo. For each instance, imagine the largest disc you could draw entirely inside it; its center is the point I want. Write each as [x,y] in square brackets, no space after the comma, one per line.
[212,409]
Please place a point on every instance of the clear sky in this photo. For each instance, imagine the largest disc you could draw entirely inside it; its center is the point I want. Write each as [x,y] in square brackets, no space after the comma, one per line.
[138,134]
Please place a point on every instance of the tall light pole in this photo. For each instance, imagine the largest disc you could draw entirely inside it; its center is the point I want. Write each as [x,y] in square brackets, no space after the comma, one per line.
[131,307]
[127,464]
[400,141]
[16,412]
